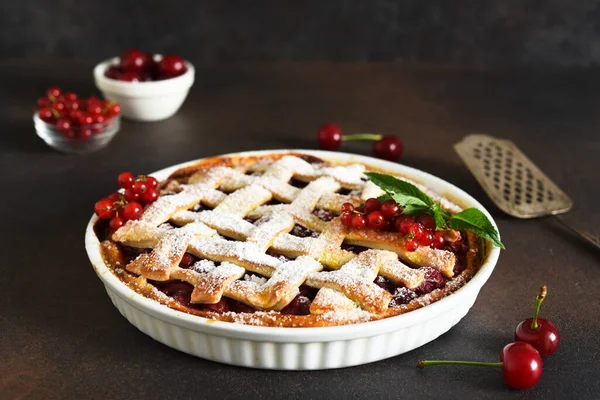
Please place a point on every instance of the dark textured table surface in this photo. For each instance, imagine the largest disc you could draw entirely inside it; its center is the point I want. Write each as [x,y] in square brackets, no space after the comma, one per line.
[60,336]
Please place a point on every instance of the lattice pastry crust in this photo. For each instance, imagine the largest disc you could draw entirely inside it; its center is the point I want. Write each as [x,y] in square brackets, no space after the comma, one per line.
[238,217]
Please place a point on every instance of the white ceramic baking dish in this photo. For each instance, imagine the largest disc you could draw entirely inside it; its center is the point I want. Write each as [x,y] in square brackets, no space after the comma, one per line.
[299,348]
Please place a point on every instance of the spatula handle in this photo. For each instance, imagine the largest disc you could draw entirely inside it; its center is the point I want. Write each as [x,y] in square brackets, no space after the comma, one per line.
[594,241]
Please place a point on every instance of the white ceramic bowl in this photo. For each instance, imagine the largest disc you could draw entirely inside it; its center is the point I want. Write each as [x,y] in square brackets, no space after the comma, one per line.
[299,348]
[145,101]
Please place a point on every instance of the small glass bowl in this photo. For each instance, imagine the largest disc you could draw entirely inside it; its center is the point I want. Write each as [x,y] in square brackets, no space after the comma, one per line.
[103,134]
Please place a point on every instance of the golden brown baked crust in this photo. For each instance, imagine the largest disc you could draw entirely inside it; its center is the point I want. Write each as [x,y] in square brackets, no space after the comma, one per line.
[339,300]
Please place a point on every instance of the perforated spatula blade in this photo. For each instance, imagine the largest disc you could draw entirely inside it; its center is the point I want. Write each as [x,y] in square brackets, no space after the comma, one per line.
[513,182]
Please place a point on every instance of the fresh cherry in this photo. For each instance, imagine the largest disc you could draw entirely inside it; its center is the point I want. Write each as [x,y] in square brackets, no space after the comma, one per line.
[520,362]
[134,60]
[170,66]
[130,76]
[539,332]
[330,137]
[388,148]
[113,72]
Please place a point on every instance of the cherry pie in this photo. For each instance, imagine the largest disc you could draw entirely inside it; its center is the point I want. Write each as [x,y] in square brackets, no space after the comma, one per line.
[258,240]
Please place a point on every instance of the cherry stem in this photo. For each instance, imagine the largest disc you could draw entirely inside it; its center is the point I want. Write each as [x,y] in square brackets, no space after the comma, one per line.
[362,136]
[425,363]
[538,304]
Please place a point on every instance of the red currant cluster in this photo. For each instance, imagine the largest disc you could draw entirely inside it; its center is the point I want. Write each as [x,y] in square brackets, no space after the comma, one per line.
[386,147]
[74,116]
[521,360]
[138,66]
[387,216]
[127,204]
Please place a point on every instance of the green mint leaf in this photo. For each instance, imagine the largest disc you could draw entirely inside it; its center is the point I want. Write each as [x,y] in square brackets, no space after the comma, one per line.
[384,197]
[402,192]
[411,209]
[474,220]
[439,215]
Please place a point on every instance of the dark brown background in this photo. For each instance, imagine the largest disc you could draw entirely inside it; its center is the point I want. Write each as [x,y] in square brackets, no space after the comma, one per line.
[459,32]
[60,336]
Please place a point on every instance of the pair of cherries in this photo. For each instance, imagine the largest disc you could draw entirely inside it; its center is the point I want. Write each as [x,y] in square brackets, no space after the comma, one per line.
[521,360]
[385,147]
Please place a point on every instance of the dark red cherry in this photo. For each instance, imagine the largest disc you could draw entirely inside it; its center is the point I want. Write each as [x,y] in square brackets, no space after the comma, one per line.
[388,148]
[330,137]
[539,332]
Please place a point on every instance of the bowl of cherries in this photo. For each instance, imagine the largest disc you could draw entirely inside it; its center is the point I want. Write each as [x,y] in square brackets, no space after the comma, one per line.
[148,87]
[74,124]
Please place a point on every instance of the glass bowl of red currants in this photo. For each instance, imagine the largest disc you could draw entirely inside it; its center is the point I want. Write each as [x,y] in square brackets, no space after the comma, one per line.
[73,124]
[148,87]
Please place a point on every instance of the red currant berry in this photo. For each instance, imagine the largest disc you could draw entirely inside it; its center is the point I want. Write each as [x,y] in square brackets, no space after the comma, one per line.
[68,133]
[371,205]
[86,119]
[346,218]
[347,207]
[63,124]
[151,182]
[375,220]
[416,231]
[53,93]
[359,221]
[46,115]
[93,100]
[131,195]
[398,220]
[85,133]
[94,109]
[388,148]
[134,60]
[70,96]
[132,210]
[411,245]
[104,208]
[387,225]
[125,180]
[330,137]
[113,109]
[405,226]
[116,222]
[72,105]
[425,239]
[438,240]
[360,209]
[149,196]
[539,332]
[98,119]
[116,196]
[140,187]
[44,102]
[427,221]
[170,66]
[75,116]
[59,106]
[389,208]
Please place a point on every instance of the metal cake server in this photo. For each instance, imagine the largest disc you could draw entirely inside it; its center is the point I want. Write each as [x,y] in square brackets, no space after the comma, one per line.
[513,182]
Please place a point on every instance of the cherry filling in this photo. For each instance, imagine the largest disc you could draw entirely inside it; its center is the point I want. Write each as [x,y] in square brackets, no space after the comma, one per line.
[296,183]
[303,232]
[323,215]
[354,248]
